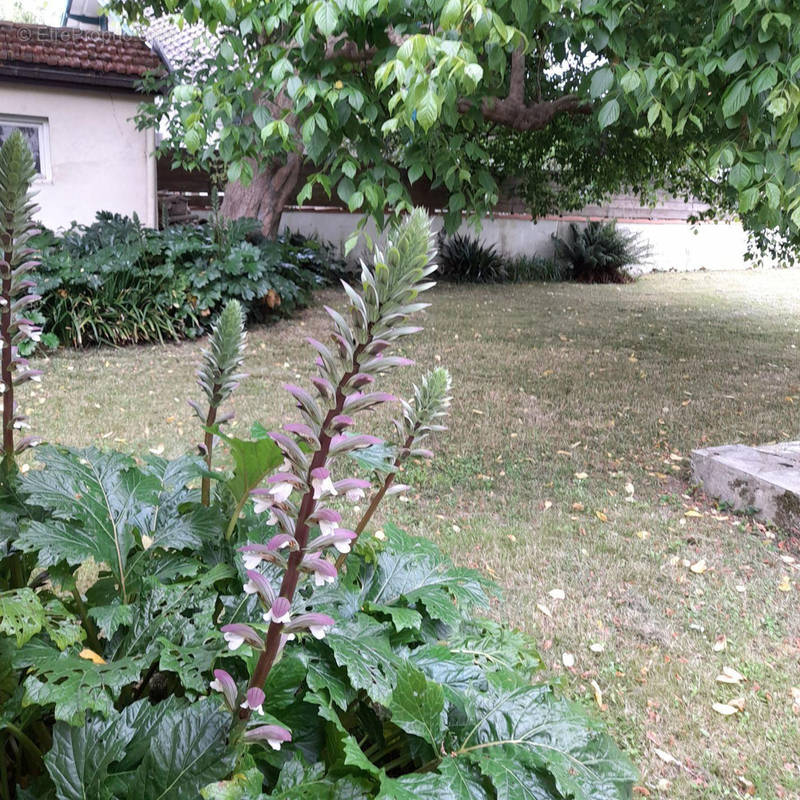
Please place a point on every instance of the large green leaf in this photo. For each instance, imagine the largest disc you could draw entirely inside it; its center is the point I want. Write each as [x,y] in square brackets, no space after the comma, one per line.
[253,461]
[361,646]
[417,706]
[21,614]
[72,684]
[455,779]
[187,751]
[532,725]
[515,780]
[413,571]
[80,757]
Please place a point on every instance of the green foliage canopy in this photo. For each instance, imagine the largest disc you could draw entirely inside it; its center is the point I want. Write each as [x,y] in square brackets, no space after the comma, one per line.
[374,90]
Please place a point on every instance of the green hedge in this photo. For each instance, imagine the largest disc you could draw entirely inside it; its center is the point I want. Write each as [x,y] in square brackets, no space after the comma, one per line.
[117,282]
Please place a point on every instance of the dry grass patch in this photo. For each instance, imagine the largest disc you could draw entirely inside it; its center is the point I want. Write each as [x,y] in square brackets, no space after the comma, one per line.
[566,469]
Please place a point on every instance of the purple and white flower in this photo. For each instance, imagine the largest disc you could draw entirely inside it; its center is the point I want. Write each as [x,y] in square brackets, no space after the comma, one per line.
[237,633]
[274,735]
[279,612]
[258,584]
[316,624]
[224,683]
[254,700]
[322,483]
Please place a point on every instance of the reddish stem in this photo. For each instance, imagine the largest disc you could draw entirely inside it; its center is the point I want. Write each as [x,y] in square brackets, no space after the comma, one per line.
[307,506]
[378,496]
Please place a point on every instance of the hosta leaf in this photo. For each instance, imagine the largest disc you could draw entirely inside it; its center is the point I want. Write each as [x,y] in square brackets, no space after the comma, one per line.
[361,646]
[80,757]
[21,614]
[96,500]
[187,751]
[417,706]
[455,779]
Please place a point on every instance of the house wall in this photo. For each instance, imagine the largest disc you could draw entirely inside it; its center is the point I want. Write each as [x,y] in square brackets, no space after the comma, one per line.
[99,161]
[675,244]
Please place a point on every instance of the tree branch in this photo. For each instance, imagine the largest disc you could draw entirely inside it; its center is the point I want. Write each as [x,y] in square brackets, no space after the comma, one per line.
[519,116]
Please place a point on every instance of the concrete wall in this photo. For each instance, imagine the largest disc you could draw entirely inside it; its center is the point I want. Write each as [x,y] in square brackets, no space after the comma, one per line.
[99,161]
[675,245]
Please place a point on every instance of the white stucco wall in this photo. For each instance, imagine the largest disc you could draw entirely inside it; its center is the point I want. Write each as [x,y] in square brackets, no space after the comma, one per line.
[675,245]
[99,161]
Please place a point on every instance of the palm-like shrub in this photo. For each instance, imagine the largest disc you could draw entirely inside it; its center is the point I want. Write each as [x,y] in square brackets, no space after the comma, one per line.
[600,252]
[465,259]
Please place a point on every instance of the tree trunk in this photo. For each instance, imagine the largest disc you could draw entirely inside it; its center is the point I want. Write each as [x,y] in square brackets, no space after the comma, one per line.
[266,195]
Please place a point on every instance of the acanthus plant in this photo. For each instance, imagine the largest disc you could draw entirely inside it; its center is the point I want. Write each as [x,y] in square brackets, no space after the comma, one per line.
[299,496]
[17,260]
[218,376]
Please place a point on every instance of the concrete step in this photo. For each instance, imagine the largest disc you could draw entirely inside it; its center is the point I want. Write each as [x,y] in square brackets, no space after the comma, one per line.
[764,478]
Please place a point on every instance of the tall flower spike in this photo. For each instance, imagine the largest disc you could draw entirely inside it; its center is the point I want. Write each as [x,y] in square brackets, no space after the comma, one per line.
[344,387]
[17,171]
[421,416]
[218,375]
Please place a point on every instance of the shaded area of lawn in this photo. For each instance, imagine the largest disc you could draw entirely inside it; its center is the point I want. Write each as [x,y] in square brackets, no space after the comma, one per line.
[566,469]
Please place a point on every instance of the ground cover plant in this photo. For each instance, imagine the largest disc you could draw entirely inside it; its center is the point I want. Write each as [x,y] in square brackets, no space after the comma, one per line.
[133,586]
[118,282]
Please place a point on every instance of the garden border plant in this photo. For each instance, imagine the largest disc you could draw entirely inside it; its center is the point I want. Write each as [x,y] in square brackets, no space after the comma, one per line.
[372,677]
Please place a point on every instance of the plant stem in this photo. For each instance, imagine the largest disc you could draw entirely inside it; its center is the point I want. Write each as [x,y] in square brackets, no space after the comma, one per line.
[5,356]
[307,506]
[26,743]
[91,630]
[5,792]
[208,441]
[378,496]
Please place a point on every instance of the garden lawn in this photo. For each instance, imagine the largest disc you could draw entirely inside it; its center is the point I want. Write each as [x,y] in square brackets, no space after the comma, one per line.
[575,410]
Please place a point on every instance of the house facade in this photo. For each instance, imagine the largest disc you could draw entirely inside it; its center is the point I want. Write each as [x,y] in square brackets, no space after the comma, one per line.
[73,95]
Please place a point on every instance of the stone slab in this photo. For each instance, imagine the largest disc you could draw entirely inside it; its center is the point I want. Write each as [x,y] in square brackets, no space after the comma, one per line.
[764,478]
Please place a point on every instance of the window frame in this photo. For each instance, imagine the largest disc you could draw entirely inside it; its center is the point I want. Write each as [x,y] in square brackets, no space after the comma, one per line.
[42,124]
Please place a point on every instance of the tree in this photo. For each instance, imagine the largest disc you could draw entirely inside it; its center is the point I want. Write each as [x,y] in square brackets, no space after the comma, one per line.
[376,91]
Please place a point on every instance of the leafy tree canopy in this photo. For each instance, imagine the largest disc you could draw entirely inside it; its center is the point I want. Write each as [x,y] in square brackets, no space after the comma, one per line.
[701,97]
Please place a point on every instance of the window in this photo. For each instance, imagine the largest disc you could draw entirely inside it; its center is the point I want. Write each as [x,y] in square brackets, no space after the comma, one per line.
[36,132]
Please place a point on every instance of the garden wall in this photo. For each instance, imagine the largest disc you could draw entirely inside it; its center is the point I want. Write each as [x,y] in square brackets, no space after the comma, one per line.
[676,245]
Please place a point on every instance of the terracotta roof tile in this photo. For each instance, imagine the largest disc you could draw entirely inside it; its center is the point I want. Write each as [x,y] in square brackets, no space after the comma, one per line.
[86,50]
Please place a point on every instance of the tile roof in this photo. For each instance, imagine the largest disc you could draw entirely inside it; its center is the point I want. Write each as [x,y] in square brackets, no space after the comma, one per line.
[72,51]
[181,46]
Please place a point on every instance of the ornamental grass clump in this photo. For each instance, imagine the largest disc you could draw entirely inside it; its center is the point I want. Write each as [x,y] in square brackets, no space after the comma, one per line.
[17,171]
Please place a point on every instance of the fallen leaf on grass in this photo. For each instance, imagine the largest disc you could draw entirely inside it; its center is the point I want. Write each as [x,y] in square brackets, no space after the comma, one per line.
[724,709]
[643,535]
[692,513]
[568,660]
[544,609]
[597,647]
[666,757]
[601,516]
[581,476]
[785,585]
[720,644]
[598,696]
[557,594]
[699,567]
[730,675]
[157,450]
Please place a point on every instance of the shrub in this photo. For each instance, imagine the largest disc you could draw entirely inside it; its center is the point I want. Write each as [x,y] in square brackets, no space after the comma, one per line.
[216,649]
[117,282]
[521,269]
[464,259]
[600,253]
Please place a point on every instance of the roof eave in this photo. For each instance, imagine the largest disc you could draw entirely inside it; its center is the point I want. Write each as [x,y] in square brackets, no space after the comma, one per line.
[84,79]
